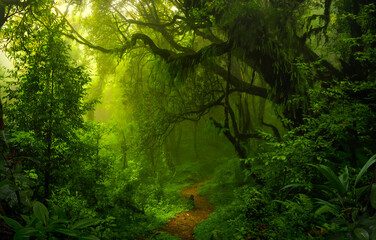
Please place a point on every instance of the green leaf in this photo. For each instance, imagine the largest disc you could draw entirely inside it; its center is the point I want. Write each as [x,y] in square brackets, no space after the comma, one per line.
[84,223]
[373,234]
[12,223]
[67,232]
[74,233]
[59,221]
[26,233]
[326,209]
[89,237]
[26,219]
[344,179]
[334,181]
[373,195]
[7,188]
[361,234]
[294,185]
[41,212]
[323,202]
[371,161]
[360,191]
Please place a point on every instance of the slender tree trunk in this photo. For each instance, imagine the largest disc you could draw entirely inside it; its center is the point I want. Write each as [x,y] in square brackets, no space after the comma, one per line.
[153,164]
[48,165]
[178,141]
[2,127]
[195,139]
[124,148]
[169,160]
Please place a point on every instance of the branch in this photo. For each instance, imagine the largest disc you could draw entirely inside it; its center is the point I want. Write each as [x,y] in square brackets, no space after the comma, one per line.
[164,53]
[80,39]
[245,136]
[274,128]
[88,44]
[206,107]
[12,2]
[151,25]
[160,28]
[325,16]
[240,86]
[184,59]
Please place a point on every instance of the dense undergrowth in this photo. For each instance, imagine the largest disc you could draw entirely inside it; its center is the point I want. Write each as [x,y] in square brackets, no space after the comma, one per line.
[314,181]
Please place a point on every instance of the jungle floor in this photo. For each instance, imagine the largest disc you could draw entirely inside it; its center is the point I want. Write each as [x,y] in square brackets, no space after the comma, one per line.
[183,224]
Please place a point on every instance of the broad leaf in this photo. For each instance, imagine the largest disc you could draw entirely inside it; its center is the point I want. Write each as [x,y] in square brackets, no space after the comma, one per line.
[373,234]
[26,219]
[67,232]
[294,185]
[27,233]
[344,179]
[371,161]
[360,191]
[323,202]
[361,234]
[334,181]
[12,223]
[41,212]
[367,221]
[89,237]
[326,209]
[373,196]
[7,188]
[84,223]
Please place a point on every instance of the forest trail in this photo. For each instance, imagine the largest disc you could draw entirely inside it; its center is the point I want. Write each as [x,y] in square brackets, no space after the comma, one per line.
[183,224]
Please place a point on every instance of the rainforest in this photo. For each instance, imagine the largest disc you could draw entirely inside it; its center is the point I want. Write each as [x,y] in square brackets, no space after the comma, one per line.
[187,119]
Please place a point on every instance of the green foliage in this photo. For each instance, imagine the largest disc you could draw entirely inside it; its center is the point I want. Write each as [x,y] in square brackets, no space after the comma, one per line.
[41,226]
[249,213]
[46,102]
[345,201]
[162,236]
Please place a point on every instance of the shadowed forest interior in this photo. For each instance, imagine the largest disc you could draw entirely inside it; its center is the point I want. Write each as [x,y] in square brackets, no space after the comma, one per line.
[188,119]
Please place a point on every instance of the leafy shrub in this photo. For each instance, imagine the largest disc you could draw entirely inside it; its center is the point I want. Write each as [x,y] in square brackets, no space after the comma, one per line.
[41,225]
[345,201]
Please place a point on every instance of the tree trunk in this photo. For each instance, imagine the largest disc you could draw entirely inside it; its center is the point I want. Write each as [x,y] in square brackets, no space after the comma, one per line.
[195,139]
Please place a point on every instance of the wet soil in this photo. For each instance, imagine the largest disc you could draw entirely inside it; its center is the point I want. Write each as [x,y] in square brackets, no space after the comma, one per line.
[183,224]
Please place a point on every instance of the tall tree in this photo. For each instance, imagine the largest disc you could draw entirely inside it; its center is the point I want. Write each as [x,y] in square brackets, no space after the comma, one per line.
[275,39]
[47,100]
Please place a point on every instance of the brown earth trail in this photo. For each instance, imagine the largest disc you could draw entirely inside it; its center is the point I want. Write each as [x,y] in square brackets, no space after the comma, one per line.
[183,224]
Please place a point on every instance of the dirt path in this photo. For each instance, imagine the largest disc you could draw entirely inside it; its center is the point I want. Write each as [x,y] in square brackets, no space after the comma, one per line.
[183,224]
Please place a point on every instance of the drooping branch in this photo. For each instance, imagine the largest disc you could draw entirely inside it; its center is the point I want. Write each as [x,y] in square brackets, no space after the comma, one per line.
[164,53]
[238,147]
[160,27]
[215,49]
[325,17]
[80,39]
[240,86]
[149,24]
[260,61]
[88,44]
[261,118]
[7,4]
[274,129]
[227,92]
[206,107]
